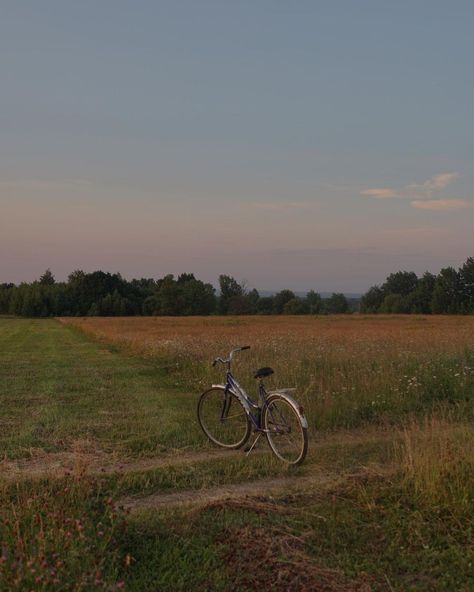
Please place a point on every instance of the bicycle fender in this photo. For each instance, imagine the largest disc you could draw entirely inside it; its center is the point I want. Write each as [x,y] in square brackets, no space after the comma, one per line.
[296,406]
[241,398]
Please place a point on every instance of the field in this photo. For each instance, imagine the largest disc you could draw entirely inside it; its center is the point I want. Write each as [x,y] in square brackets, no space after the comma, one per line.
[108,482]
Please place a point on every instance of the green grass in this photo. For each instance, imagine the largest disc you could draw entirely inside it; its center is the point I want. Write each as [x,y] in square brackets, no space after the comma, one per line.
[375,528]
[58,388]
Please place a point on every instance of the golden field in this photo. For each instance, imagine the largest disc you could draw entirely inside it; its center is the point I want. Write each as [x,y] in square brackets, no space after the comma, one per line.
[348,369]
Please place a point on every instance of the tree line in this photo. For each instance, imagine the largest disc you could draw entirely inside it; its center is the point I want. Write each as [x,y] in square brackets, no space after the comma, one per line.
[105,294]
[449,292]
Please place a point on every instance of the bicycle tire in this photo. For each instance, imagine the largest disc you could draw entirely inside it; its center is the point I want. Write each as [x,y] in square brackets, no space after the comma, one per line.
[230,432]
[286,434]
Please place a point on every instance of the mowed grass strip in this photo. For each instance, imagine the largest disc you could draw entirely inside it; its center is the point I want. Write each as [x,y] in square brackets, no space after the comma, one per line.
[62,391]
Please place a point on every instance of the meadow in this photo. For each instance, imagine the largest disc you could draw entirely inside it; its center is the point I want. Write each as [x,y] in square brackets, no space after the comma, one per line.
[108,483]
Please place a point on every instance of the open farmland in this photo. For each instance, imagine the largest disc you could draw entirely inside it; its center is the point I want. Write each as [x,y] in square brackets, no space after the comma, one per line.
[99,414]
[348,370]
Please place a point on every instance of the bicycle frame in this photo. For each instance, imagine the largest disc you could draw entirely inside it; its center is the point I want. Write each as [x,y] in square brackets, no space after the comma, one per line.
[232,386]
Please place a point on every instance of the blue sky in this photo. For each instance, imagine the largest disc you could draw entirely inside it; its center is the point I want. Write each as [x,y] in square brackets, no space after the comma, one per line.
[294,144]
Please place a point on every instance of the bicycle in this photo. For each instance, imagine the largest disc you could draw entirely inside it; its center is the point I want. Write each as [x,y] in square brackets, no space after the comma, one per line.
[227,415]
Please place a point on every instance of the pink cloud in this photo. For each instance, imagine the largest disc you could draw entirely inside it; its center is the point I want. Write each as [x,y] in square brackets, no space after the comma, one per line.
[415,191]
[440,181]
[381,193]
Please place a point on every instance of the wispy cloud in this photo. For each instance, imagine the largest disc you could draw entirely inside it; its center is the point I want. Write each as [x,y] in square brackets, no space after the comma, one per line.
[439,181]
[381,193]
[421,195]
[441,204]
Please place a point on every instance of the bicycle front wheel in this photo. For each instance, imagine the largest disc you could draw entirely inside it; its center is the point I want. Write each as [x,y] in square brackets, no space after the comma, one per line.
[286,435]
[223,418]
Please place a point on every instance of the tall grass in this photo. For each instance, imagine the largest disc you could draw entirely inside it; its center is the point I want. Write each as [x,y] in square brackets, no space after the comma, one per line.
[348,371]
[437,461]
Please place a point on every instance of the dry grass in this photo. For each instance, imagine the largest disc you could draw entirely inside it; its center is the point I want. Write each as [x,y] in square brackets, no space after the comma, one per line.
[349,370]
[437,459]
[59,536]
[275,560]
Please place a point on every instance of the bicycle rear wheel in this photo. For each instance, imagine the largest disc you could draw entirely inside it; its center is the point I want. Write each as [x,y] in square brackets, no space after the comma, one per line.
[286,435]
[223,418]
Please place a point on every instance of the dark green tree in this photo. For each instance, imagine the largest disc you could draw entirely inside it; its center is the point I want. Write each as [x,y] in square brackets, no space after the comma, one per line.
[466,279]
[447,293]
[296,306]
[169,296]
[314,301]
[401,282]
[336,304]
[419,301]
[197,297]
[395,304]
[231,293]
[47,279]
[372,300]
[280,299]
[265,305]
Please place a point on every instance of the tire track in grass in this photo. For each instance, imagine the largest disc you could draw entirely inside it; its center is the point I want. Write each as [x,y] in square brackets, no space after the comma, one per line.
[84,458]
[322,480]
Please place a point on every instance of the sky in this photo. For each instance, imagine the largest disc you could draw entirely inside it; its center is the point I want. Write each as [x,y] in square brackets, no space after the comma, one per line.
[303,144]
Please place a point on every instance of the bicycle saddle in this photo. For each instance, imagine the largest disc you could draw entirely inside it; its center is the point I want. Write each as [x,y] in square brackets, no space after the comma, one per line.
[262,372]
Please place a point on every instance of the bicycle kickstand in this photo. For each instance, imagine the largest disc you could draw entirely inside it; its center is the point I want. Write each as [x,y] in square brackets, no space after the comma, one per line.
[253,445]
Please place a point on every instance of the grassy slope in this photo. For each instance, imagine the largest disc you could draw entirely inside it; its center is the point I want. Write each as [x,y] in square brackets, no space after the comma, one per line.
[60,387]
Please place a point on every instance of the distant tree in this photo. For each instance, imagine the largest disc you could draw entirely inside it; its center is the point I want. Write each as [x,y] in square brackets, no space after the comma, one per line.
[466,280]
[120,304]
[231,293]
[447,292]
[336,304]
[296,306]
[372,300]
[314,302]
[401,282]
[185,278]
[47,279]
[280,299]
[265,305]
[76,276]
[197,297]
[6,291]
[395,304]
[169,296]
[151,306]
[253,298]
[94,310]
[419,301]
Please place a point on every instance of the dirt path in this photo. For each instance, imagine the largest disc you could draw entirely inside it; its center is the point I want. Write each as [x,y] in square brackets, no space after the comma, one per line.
[85,458]
[317,481]
[56,465]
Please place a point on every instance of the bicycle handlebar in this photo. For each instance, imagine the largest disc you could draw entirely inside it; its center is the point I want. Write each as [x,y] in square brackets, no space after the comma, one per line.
[231,355]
